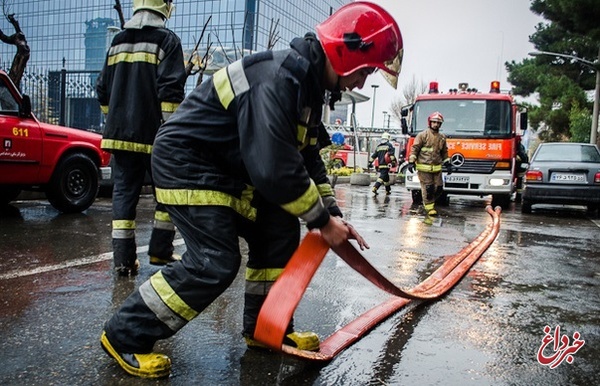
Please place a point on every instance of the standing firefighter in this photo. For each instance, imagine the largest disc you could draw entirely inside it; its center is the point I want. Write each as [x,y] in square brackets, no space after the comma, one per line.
[240,158]
[384,154]
[141,84]
[429,151]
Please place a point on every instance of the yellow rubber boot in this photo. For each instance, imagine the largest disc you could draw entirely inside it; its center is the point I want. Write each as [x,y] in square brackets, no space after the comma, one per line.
[308,341]
[153,365]
[154,260]
[432,212]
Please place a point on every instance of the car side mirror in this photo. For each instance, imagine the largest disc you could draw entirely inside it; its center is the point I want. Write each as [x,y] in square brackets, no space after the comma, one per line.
[25,107]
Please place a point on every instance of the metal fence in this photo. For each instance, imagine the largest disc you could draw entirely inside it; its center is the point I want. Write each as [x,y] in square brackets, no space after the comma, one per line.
[63,97]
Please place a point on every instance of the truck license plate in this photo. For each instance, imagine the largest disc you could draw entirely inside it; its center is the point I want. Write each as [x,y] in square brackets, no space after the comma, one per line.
[457,179]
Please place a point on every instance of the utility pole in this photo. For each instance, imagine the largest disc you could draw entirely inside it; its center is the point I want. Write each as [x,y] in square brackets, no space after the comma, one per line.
[373,110]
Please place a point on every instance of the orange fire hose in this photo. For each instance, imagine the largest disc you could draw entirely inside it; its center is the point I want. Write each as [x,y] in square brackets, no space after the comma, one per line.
[287,291]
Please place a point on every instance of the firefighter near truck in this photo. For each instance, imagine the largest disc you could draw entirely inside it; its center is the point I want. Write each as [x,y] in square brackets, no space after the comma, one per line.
[482,131]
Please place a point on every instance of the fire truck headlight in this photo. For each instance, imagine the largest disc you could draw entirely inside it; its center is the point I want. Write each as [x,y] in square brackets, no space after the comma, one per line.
[499,181]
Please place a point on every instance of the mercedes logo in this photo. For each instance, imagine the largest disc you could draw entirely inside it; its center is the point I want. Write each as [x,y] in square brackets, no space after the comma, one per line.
[457,160]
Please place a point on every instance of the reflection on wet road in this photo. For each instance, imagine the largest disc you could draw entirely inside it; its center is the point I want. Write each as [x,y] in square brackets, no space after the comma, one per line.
[542,270]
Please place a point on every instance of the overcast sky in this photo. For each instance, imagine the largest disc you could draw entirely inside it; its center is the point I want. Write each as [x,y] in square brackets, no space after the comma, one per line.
[452,41]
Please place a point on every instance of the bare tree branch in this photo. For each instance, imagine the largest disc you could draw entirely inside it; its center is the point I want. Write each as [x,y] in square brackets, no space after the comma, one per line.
[17,39]
[119,10]
[190,65]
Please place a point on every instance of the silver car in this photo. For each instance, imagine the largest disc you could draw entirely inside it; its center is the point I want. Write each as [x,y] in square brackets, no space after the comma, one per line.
[563,173]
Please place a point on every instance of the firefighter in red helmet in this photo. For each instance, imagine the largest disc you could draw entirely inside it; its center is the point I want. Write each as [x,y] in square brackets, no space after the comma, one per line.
[240,158]
[427,155]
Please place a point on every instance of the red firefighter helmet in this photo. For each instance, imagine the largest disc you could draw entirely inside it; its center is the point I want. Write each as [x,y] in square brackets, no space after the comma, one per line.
[361,35]
[435,117]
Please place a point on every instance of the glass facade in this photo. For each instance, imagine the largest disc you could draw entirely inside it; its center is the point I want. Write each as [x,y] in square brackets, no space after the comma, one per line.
[69,39]
[76,33]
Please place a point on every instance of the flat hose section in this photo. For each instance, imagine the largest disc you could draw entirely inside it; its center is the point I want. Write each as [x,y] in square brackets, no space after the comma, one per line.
[287,291]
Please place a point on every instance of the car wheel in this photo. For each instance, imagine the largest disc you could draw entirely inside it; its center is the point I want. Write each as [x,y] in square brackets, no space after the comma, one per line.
[74,184]
[526,206]
[416,197]
[594,208]
[8,194]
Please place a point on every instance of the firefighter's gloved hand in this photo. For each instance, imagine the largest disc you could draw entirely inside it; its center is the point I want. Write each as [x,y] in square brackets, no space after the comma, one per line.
[449,167]
[370,165]
[411,167]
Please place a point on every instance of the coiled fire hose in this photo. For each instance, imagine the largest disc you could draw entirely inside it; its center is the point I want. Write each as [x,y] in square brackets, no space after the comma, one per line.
[287,291]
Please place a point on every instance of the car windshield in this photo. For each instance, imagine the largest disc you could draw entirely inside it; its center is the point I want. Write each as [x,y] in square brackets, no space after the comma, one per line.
[567,152]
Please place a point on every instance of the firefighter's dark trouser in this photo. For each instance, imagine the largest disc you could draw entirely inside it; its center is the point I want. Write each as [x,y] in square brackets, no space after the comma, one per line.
[179,292]
[432,187]
[383,179]
[129,169]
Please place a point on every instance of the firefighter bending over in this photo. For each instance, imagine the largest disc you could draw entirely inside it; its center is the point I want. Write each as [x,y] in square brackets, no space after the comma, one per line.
[240,158]
[384,154]
[429,151]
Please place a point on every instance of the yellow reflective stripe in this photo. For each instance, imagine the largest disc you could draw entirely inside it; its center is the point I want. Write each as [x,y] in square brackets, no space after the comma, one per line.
[116,144]
[302,131]
[305,202]
[223,87]
[104,109]
[133,57]
[429,168]
[162,216]
[170,298]
[312,141]
[263,274]
[209,197]
[230,82]
[325,190]
[159,308]
[168,107]
[427,148]
[162,220]
[429,206]
[123,224]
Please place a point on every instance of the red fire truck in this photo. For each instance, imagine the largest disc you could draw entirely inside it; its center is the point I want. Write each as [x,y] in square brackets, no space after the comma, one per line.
[482,131]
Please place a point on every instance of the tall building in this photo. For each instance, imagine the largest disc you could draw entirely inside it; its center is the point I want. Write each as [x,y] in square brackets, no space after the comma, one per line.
[76,32]
[71,37]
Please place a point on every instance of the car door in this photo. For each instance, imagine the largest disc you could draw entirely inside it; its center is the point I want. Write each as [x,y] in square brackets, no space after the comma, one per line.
[21,140]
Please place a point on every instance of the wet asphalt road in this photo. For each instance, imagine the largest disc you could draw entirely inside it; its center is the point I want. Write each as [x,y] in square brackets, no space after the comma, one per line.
[542,270]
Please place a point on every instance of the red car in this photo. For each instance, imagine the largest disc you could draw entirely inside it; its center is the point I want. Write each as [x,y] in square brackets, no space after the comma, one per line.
[63,162]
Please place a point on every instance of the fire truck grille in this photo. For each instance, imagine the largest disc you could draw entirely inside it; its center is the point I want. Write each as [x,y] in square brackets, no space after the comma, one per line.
[477,166]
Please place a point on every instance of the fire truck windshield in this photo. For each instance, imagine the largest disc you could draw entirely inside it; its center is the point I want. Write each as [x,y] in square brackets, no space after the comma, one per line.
[465,118]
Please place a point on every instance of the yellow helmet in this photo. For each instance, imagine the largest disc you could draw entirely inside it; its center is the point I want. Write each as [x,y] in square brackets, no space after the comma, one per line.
[164,7]
[386,136]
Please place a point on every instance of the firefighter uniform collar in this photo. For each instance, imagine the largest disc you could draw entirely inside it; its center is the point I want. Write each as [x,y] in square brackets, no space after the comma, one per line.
[144,18]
